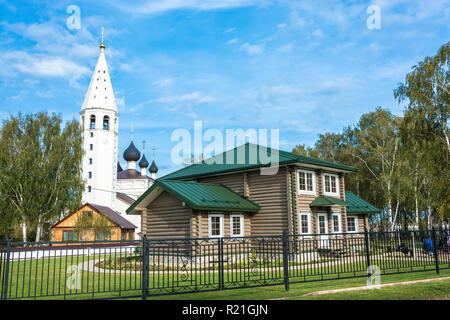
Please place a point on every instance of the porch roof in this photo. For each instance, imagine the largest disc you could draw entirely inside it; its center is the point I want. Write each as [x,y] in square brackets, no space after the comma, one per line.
[358,205]
[202,196]
[327,201]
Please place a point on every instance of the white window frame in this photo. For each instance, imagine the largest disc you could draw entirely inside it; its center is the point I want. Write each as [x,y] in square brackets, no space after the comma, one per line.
[337,184]
[241,217]
[356,224]
[339,216]
[210,224]
[313,192]
[308,214]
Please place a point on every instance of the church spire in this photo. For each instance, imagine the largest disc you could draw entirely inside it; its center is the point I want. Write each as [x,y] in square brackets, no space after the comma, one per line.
[100,94]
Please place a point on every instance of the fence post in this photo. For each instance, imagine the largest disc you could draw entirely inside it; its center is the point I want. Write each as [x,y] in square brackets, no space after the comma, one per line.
[436,258]
[145,268]
[366,240]
[5,284]
[220,253]
[285,260]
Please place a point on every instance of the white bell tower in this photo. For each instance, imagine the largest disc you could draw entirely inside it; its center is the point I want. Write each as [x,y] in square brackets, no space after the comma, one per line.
[100,122]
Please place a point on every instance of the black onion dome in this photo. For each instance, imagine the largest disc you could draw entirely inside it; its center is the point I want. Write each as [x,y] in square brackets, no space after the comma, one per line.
[119,167]
[131,153]
[153,167]
[143,163]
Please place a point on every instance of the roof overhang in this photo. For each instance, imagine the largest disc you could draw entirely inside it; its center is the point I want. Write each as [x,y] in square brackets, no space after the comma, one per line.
[330,169]
[220,198]
[144,200]
[327,201]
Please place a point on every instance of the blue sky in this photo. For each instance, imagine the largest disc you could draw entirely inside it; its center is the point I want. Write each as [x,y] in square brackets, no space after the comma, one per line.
[304,67]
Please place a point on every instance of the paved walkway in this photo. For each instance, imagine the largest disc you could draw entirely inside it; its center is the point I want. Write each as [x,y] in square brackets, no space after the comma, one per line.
[316,293]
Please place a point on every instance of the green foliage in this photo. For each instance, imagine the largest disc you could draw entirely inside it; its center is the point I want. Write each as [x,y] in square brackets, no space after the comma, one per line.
[87,223]
[403,161]
[40,176]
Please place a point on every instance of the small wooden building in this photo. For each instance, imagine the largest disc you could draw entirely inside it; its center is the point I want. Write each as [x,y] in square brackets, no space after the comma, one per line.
[119,227]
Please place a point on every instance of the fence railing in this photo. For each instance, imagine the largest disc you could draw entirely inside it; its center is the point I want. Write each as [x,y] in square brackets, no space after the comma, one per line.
[120,269]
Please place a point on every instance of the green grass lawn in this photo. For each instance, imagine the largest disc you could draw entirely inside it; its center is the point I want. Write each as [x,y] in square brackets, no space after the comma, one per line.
[415,291]
[432,290]
[47,278]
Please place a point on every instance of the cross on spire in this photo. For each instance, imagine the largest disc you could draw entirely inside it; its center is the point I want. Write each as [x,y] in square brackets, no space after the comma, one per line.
[143,146]
[132,126]
[153,149]
[102,45]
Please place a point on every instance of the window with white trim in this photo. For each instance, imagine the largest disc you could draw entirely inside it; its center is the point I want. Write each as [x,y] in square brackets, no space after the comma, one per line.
[352,224]
[215,225]
[336,221]
[304,221]
[237,225]
[331,184]
[306,182]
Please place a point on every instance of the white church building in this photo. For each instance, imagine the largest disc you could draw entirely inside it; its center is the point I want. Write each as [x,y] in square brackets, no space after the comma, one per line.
[106,183]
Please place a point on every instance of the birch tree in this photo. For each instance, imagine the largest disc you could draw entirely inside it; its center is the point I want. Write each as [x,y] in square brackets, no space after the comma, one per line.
[41,173]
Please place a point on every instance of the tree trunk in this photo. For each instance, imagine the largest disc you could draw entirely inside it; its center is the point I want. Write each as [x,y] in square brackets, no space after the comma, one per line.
[38,230]
[357,187]
[417,210]
[24,231]
[429,217]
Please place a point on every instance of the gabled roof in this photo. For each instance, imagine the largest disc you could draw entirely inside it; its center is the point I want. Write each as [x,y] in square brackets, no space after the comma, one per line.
[327,201]
[125,198]
[106,211]
[202,196]
[247,156]
[113,216]
[358,205]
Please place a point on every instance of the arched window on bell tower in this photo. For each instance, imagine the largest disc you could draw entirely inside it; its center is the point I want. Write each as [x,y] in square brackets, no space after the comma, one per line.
[105,123]
[92,125]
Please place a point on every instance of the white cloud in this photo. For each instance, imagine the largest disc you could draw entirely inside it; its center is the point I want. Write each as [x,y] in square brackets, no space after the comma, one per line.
[317,33]
[281,25]
[13,62]
[252,49]
[233,41]
[163,82]
[229,30]
[125,67]
[195,97]
[287,47]
[53,67]
[159,6]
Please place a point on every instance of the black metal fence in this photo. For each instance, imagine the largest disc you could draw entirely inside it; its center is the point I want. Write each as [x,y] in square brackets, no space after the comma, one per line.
[121,269]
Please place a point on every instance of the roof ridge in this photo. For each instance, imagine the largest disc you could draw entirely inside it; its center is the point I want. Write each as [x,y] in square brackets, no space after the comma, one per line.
[285,157]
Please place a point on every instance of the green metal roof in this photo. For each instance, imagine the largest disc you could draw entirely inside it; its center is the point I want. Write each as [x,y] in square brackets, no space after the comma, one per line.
[326,201]
[358,205]
[250,153]
[202,196]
